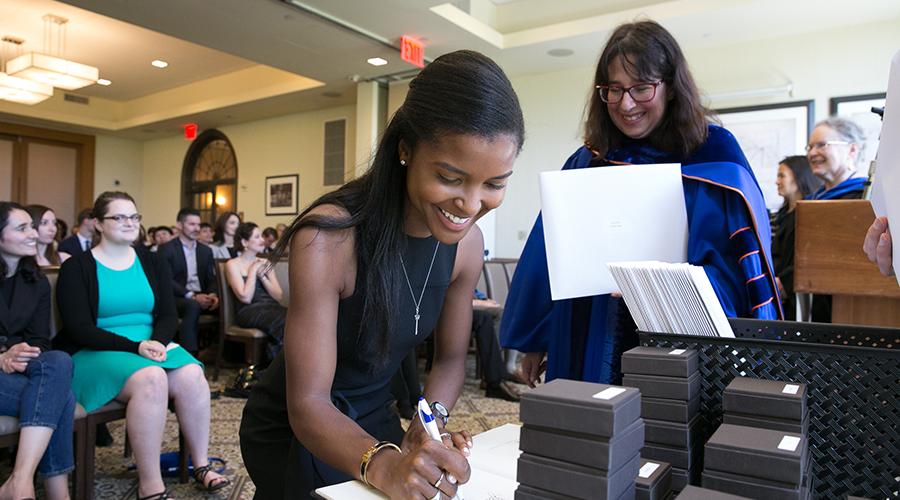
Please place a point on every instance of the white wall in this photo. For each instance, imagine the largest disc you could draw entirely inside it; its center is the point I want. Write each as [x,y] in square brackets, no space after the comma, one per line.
[279,146]
[119,166]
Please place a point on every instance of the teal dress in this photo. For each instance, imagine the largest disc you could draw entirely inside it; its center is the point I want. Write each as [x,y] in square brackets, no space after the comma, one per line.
[125,308]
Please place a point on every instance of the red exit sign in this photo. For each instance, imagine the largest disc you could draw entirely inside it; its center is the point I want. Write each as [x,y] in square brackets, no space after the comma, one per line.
[411,51]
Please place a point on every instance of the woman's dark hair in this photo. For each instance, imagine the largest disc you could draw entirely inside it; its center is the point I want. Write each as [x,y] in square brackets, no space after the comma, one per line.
[244,231]
[462,92]
[650,52]
[62,230]
[28,266]
[806,180]
[219,231]
[37,214]
[101,206]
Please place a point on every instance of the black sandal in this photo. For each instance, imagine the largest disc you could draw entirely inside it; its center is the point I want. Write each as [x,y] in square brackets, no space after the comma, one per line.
[164,495]
[200,474]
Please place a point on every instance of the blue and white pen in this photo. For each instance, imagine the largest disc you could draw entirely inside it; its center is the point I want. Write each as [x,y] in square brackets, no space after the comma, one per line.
[427,419]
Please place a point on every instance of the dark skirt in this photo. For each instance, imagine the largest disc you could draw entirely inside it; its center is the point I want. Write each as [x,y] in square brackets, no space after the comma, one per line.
[279,465]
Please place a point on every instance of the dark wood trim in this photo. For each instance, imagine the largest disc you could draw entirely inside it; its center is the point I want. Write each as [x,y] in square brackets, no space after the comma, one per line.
[85,145]
[834,101]
[810,110]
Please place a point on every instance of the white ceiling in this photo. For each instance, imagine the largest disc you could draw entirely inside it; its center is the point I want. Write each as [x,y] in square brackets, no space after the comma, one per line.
[253,59]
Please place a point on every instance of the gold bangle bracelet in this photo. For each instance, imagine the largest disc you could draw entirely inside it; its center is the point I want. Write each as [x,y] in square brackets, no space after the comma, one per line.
[364,465]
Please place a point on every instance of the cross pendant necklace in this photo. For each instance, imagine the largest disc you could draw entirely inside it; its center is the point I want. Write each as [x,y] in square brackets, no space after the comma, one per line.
[419,302]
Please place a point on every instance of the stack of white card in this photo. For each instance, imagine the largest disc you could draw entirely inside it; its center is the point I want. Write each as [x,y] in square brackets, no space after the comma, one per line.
[671,298]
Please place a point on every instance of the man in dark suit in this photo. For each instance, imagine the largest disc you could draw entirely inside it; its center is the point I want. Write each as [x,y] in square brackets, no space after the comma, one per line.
[80,241]
[193,276]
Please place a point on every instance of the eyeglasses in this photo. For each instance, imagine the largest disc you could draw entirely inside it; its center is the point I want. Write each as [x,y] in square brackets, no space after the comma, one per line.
[122,218]
[641,92]
[823,145]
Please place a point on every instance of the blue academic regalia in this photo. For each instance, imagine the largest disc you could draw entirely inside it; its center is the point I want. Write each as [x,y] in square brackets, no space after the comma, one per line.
[850,189]
[729,235]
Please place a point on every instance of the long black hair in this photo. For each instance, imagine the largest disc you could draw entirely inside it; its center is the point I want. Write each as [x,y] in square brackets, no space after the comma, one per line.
[28,266]
[462,92]
[806,180]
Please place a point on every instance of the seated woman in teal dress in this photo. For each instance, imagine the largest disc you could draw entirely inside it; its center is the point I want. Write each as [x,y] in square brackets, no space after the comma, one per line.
[119,314]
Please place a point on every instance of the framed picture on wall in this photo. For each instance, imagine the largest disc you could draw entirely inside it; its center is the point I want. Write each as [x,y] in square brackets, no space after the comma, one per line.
[859,109]
[281,195]
[767,134]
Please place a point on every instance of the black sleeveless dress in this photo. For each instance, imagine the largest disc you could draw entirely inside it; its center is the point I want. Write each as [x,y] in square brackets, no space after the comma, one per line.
[277,462]
[266,314]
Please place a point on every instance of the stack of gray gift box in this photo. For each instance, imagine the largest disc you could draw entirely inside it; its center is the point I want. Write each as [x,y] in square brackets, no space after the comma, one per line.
[669,381]
[579,440]
[761,451]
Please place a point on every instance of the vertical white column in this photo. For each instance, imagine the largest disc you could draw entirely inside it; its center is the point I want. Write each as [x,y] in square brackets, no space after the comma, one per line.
[371,117]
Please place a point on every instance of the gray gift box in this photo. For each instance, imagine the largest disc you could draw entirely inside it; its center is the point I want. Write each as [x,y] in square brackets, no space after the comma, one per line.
[754,488]
[678,434]
[576,480]
[670,410]
[660,361]
[599,452]
[524,492]
[658,386]
[760,453]
[683,458]
[657,484]
[767,398]
[588,408]
[681,478]
[776,424]
[696,493]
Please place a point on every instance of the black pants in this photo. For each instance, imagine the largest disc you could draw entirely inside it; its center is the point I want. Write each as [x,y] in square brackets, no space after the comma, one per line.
[189,310]
[486,342]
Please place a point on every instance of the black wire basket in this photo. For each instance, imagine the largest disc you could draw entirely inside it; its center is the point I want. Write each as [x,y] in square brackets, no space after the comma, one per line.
[853,379]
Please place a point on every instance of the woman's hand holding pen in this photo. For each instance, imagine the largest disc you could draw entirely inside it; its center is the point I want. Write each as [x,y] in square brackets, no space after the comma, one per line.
[413,474]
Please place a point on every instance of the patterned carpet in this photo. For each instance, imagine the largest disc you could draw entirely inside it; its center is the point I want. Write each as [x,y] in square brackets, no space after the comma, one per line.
[113,480]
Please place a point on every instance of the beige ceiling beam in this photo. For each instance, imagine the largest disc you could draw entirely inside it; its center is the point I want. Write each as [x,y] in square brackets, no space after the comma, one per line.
[583,26]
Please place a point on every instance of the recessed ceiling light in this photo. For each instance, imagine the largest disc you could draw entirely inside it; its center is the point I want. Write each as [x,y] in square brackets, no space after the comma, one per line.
[103,81]
[376,61]
[159,64]
[560,52]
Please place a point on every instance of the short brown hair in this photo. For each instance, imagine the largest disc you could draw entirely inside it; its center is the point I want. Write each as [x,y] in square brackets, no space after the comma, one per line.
[646,48]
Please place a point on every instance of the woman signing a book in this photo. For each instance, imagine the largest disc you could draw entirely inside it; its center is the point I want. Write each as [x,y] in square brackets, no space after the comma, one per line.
[645,109]
[375,267]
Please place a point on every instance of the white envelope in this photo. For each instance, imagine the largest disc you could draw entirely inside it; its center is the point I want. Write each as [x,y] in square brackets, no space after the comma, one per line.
[593,216]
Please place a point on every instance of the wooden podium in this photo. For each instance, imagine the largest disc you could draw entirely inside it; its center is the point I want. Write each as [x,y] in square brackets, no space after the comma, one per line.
[829,260]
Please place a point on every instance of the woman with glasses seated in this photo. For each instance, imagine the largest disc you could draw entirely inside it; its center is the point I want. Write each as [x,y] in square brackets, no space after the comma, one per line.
[646,109]
[119,313]
[835,148]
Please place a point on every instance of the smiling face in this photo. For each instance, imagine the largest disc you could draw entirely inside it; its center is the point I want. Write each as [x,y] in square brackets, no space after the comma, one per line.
[635,119]
[256,243]
[787,187]
[125,232]
[454,182]
[832,163]
[46,228]
[231,225]
[18,238]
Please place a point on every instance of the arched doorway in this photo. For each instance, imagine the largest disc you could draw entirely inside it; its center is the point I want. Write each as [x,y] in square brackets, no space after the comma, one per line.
[209,176]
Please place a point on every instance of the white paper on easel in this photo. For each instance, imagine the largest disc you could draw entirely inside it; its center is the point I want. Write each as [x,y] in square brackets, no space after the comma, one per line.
[886,189]
[593,216]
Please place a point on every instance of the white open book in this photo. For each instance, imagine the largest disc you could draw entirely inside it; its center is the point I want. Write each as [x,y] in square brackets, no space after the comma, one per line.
[493,461]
